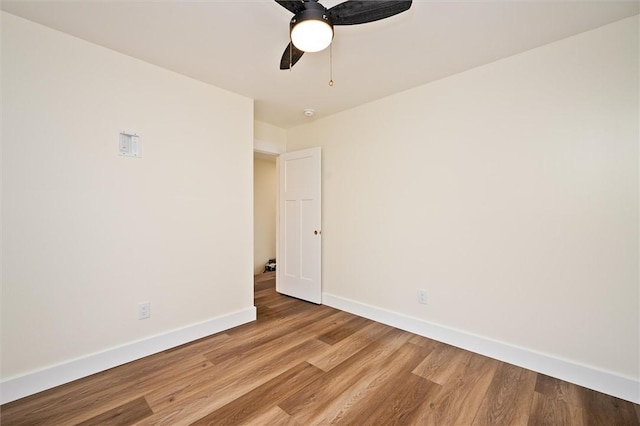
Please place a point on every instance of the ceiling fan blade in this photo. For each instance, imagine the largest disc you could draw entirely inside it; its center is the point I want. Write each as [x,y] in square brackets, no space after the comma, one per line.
[353,12]
[290,57]
[293,6]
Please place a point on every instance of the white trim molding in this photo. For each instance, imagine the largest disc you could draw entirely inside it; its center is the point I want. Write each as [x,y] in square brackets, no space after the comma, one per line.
[268,147]
[626,388]
[47,378]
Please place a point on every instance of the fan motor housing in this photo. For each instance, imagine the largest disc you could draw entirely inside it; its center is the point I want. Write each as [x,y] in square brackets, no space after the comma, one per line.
[313,11]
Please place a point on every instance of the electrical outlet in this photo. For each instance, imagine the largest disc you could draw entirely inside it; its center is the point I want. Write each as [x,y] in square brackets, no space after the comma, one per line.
[144,310]
[422,296]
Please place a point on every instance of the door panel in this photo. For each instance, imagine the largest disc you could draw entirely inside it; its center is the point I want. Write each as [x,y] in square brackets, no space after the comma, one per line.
[299,241]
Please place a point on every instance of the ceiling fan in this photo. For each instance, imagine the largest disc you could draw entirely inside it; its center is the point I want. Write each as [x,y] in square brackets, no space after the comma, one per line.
[311,28]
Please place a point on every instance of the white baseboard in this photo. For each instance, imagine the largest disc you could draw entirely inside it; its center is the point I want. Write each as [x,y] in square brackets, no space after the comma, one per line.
[47,378]
[602,381]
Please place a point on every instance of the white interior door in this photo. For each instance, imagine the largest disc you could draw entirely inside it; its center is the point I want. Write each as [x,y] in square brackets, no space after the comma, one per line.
[299,234]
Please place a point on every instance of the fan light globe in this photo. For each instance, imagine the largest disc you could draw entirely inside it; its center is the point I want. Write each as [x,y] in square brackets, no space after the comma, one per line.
[311,35]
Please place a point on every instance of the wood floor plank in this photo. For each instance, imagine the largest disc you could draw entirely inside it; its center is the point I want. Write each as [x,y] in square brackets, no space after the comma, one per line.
[344,330]
[253,337]
[263,397]
[250,338]
[371,401]
[459,399]
[288,311]
[256,362]
[347,347]
[441,363]
[404,396]
[274,340]
[124,415]
[547,411]
[598,408]
[509,397]
[336,387]
[273,417]
[163,377]
[194,399]
[265,276]
[277,304]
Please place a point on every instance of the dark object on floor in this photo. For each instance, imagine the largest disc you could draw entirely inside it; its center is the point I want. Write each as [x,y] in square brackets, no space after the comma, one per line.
[270,266]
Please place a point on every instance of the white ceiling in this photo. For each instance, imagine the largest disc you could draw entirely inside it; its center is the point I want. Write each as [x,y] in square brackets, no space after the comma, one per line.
[237,44]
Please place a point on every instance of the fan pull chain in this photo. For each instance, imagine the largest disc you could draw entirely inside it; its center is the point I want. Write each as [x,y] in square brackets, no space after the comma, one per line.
[331,65]
[290,54]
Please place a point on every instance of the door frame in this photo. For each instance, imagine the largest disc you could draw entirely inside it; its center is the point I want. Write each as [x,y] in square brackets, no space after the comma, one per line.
[276,150]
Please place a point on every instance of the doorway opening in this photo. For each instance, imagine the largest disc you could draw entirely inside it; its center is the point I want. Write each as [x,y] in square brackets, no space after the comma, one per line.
[265,196]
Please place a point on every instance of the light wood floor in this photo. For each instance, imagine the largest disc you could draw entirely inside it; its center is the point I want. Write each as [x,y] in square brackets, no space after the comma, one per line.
[302,364]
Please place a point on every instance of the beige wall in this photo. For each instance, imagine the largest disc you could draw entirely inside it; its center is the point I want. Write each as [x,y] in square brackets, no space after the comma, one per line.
[268,138]
[508,192]
[88,234]
[265,187]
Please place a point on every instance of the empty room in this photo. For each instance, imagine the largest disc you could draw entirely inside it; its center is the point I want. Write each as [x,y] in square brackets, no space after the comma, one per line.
[338,212]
